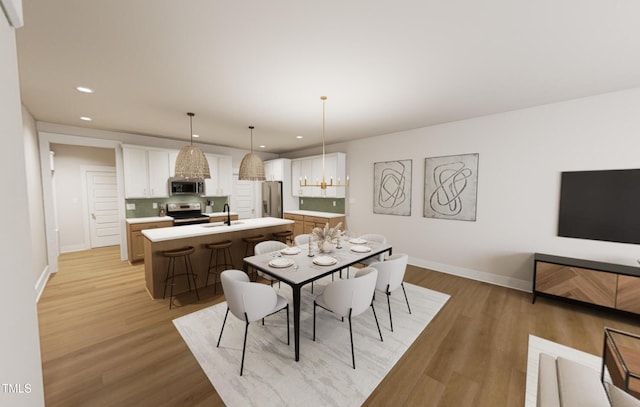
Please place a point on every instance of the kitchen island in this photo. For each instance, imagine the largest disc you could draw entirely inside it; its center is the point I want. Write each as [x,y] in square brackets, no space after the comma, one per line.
[158,240]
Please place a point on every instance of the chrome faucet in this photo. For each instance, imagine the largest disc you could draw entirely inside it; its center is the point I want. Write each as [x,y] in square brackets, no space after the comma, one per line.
[225,208]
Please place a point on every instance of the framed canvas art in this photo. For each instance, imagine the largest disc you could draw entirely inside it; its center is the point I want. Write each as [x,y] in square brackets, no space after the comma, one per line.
[451,187]
[392,187]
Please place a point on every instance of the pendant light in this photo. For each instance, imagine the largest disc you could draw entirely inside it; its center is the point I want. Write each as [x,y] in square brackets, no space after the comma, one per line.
[191,162]
[251,167]
[323,185]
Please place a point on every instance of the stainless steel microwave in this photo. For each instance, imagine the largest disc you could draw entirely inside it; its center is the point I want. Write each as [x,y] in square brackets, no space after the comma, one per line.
[186,187]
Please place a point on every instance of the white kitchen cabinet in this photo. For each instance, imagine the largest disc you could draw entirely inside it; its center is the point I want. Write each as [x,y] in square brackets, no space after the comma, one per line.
[296,176]
[173,155]
[211,184]
[311,169]
[146,172]
[225,176]
[275,170]
[158,161]
[220,183]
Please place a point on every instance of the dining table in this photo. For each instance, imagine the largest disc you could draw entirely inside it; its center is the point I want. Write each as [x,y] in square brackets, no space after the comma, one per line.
[298,266]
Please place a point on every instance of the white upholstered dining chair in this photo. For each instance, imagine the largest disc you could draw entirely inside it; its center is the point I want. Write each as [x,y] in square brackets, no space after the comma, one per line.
[301,240]
[348,298]
[373,237]
[391,277]
[249,302]
[268,246]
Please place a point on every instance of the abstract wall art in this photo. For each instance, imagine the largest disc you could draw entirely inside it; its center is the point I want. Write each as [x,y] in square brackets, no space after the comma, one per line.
[392,187]
[451,187]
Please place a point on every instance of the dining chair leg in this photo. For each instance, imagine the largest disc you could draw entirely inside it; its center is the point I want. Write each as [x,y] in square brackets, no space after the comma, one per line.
[314,321]
[353,356]
[377,324]
[222,329]
[244,345]
[389,305]
[405,297]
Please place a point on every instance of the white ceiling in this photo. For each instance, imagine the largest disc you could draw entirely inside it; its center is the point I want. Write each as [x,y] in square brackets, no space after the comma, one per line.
[386,66]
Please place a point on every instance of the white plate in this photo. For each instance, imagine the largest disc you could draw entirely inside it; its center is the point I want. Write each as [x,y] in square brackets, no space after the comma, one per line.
[324,260]
[281,262]
[290,250]
[357,240]
[360,249]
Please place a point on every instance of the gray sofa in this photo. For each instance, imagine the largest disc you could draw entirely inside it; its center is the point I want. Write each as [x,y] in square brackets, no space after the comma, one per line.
[565,383]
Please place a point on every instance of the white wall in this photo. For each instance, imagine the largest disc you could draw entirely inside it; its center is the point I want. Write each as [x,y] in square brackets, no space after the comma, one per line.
[19,338]
[68,190]
[521,154]
[34,192]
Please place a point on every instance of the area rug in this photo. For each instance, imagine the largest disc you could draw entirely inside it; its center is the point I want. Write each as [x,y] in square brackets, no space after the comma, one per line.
[324,375]
[539,345]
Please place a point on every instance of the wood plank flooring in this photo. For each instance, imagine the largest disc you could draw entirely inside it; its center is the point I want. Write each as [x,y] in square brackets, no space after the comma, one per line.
[106,343]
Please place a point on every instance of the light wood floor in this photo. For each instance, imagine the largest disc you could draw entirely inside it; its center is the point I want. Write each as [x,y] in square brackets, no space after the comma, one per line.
[106,343]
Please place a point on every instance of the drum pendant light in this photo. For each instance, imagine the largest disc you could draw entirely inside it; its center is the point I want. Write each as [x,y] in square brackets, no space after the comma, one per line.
[251,167]
[191,162]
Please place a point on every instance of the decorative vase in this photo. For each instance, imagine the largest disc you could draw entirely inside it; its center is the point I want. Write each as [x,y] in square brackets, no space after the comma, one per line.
[326,246]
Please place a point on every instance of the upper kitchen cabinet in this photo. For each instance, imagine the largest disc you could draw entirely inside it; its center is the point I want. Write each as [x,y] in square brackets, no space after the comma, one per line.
[221,180]
[225,176]
[146,172]
[277,170]
[311,170]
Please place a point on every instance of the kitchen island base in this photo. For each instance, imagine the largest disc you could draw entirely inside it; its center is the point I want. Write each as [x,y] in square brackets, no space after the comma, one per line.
[157,241]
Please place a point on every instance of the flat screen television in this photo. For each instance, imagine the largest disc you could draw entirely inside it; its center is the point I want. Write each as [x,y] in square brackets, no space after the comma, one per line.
[600,205]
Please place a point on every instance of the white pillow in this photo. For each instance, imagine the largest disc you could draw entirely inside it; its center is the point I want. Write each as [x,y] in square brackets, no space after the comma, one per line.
[620,398]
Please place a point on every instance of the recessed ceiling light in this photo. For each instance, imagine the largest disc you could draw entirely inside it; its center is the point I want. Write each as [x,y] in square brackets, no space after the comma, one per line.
[85,118]
[298,137]
[84,89]
[262,146]
[196,135]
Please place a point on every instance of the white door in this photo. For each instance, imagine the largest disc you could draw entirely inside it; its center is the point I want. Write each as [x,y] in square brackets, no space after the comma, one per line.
[102,199]
[243,198]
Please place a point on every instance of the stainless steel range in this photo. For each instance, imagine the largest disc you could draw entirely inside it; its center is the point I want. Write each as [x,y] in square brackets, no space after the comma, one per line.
[186,213]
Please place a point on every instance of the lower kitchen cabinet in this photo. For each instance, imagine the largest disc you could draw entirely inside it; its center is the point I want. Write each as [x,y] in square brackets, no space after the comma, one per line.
[304,224]
[135,240]
[298,226]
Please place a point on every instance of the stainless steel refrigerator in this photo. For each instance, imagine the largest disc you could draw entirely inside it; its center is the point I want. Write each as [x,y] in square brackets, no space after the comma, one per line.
[272,199]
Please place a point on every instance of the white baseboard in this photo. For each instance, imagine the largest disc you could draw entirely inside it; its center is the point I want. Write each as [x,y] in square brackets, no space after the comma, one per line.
[42,282]
[509,282]
[74,248]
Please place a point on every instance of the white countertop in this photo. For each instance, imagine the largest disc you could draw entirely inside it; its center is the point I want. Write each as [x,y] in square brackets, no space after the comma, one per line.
[203,229]
[149,219]
[316,213]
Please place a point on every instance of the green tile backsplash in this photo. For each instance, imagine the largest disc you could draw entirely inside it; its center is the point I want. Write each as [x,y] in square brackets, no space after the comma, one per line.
[144,207]
[321,204]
